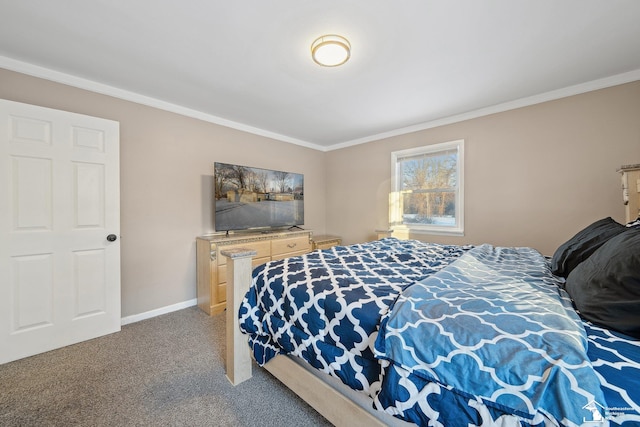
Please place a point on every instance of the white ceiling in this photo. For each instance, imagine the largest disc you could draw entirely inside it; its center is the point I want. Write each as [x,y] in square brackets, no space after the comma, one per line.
[246,64]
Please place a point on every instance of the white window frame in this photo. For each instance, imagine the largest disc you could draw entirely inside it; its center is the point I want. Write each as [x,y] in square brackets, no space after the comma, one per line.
[396,221]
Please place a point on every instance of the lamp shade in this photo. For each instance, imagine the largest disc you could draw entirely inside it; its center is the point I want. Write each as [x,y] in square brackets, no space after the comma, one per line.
[330,50]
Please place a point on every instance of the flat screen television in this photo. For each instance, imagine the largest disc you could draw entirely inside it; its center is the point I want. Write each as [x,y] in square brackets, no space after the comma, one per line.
[253,198]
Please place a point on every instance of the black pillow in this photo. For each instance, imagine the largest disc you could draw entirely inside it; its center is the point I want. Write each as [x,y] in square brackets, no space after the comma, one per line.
[579,247]
[606,287]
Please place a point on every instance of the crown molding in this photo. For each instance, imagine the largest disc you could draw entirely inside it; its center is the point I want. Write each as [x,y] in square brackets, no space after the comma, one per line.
[81,83]
[90,85]
[499,108]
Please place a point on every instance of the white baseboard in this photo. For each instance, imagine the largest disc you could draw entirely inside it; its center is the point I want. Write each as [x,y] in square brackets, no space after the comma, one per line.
[157,312]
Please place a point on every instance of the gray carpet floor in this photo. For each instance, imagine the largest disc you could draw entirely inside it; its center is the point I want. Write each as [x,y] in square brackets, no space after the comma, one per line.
[165,371]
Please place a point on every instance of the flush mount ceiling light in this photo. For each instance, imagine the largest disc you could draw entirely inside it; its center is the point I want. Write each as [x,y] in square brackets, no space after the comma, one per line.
[330,50]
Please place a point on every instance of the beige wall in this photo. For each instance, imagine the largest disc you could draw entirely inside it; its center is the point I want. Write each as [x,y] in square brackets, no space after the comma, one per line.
[533,176]
[166,163]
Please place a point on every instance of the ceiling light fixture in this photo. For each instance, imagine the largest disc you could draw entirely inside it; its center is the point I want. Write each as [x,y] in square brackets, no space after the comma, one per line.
[330,50]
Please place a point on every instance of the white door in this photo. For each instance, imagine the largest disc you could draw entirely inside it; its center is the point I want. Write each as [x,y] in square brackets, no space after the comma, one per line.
[59,200]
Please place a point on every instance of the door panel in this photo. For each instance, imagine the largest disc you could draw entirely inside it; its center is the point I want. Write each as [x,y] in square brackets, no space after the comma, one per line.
[59,199]
[32,194]
[90,287]
[32,288]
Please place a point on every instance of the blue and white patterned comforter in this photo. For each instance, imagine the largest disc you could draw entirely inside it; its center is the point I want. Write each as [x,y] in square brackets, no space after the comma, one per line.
[495,327]
[326,307]
[616,359]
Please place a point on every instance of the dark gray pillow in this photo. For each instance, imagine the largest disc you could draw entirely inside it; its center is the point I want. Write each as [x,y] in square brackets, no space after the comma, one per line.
[606,287]
[582,245]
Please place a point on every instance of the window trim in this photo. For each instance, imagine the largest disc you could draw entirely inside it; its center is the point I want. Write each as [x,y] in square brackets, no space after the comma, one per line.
[395,216]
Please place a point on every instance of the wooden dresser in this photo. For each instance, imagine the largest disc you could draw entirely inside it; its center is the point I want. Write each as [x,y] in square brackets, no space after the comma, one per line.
[212,267]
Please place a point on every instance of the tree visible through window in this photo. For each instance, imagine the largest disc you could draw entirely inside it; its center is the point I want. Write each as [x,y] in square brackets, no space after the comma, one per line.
[427,188]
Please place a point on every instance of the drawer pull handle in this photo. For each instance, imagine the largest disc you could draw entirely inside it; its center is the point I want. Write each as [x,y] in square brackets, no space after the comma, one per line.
[291,245]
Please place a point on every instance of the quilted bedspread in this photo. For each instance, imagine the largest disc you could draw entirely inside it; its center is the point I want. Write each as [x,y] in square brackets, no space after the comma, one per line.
[326,306]
[495,327]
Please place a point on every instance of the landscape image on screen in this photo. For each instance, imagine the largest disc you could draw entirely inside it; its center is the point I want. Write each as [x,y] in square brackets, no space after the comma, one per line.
[247,197]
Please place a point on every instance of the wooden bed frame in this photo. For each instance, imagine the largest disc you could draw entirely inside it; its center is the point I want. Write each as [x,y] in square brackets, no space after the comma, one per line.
[333,404]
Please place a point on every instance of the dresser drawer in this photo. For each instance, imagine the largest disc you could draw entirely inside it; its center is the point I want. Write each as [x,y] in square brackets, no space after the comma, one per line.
[288,255]
[285,246]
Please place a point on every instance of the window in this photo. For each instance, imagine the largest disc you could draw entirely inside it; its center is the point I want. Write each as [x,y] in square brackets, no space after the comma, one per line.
[426,185]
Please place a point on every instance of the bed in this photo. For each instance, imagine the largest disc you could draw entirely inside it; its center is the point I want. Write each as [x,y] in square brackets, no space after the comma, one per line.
[449,335]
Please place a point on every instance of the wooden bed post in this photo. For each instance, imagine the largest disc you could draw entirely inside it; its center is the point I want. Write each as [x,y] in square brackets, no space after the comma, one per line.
[238,356]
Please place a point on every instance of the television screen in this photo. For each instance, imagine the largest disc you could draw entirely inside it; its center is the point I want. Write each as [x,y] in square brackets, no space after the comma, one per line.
[247,198]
